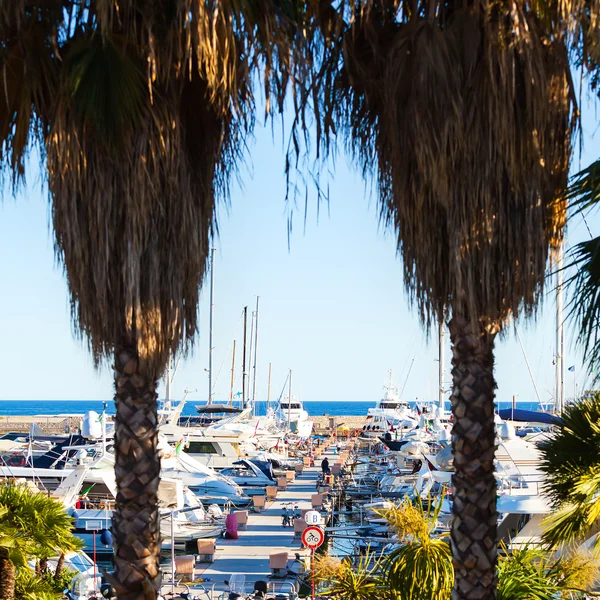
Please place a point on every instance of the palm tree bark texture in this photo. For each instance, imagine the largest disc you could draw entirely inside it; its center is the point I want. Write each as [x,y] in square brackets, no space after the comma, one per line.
[135,523]
[474,525]
[7,576]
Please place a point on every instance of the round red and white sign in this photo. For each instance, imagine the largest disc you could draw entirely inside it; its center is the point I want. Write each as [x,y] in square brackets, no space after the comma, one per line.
[313,537]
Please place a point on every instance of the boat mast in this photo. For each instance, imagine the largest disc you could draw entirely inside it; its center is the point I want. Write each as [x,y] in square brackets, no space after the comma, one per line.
[442,366]
[250,356]
[103,430]
[168,382]
[232,375]
[289,398]
[255,354]
[407,375]
[560,339]
[244,374]
[210,331]
[269,390]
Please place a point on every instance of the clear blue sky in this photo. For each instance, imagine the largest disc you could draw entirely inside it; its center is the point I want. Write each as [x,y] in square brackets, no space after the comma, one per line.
[333,307]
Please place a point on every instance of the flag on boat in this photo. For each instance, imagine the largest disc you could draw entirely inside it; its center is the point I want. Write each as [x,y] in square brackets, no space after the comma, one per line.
[571,368]
[178,447]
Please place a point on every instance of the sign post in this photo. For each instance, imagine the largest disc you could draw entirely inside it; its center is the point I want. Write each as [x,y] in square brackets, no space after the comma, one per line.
[312,537]
[312,572]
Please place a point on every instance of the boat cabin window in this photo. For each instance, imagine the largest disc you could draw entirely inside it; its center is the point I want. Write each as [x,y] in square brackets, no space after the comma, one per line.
[291,406]
[201,448]
[80,562]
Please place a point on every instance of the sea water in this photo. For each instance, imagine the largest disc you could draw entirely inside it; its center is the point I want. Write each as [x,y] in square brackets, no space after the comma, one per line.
[313,407]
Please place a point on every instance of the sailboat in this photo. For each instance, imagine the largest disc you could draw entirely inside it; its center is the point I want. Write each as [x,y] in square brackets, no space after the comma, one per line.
[291,413]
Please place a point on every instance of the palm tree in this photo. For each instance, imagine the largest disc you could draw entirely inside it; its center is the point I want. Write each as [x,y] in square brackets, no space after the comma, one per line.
[32,525]
[463,113]
[533,573]
[139,110]
[572,468]
[11,555]
[422,566]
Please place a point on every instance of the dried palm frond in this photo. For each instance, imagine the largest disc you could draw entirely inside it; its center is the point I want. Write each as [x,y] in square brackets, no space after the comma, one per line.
[464,114]
[141,109]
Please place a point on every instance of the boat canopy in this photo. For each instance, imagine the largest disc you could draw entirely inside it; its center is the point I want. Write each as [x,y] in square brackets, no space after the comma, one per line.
[218,408]
[528,416]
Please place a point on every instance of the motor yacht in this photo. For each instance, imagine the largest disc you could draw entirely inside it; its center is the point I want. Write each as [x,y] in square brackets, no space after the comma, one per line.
[291,414]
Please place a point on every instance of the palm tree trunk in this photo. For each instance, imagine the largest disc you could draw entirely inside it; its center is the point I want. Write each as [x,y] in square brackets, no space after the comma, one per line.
[135,524]
[7,577]
[59,567]
[474,524]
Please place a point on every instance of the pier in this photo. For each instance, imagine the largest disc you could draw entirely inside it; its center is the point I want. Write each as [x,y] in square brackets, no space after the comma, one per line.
[264,535]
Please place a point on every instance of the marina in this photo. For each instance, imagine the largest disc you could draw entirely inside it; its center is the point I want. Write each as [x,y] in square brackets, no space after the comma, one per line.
[234,523]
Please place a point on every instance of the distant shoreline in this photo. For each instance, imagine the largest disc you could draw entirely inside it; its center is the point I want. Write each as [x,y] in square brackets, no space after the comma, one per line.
[173,400]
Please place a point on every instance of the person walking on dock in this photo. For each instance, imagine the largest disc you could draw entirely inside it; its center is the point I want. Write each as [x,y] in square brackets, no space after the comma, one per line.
[325,466]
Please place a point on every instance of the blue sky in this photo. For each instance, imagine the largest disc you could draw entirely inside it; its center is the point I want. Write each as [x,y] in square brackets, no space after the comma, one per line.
[333,306]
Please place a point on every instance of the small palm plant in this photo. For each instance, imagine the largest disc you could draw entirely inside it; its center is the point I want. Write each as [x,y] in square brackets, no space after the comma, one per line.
[531,574]
[422,566]
[345,581]
[31,526]
[572,467]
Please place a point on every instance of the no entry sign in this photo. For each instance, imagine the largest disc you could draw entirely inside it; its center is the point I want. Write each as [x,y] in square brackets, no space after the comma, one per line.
[313,537]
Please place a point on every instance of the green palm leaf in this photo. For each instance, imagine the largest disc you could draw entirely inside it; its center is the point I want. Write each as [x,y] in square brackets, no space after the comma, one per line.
[38,524]
[570,461]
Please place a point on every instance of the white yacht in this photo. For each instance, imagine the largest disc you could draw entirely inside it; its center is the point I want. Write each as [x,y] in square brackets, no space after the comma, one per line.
[92,509]
[291,413]
[390,413]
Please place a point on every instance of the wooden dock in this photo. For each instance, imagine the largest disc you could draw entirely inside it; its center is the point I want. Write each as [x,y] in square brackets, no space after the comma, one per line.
[264,535]
[249,554]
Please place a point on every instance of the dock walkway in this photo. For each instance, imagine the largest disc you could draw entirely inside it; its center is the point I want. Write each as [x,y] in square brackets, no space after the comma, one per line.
[249,554]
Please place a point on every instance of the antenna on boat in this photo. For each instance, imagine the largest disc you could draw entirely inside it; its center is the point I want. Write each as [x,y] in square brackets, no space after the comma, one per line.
[210,331]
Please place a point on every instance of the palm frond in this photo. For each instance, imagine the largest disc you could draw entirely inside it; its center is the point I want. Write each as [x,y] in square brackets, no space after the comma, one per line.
[429,96]
[569,460]
[142,112]
[420,569]
[38,525]
[571,453]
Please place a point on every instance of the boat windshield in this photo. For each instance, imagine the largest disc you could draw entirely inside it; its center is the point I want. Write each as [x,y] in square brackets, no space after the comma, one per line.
[391,405]
[291,406]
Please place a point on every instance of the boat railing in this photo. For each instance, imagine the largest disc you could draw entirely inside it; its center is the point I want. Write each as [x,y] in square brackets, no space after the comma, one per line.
[520,482]
[99,502]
